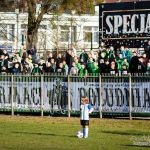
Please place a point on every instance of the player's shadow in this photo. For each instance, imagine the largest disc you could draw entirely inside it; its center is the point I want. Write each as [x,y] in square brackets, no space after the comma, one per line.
[137,146]
[43,134]
[135,133]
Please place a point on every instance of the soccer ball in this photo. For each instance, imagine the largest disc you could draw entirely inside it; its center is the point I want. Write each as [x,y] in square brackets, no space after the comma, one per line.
[79,134]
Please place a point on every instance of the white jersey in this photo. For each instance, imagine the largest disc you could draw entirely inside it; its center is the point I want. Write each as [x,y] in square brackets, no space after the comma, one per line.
[86,109]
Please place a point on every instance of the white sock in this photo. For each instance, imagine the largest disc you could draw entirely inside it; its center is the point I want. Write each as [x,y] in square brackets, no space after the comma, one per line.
[83,130]
[86,132]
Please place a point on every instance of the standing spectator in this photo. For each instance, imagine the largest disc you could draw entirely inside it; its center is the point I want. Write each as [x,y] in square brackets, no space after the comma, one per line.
[78,65]
[133,65]
[3,62]
[50,56]
[102,65]
[106,66]
[3,70]
[148,68]
[30,58]
[125,62]
[42,65]
[83,71]
[147,49]
[74,50]
[65,66]
[121,51]
[16,69]
[111,54]
[17,58]
[95,69]
[10,65]
[60,69]
[102,58]
[29,62]
[1,52]
[145,59]
[124,70]
[141,67]
[32,52]
[53,64]
[83,56]
[5,53]
[49,68]
[113,68]
[128,54]
[96,56]
[90,65]
[26,69]
[59,60]
[119,60]
[74,69]
[69,58]
[92,55]
[36,69]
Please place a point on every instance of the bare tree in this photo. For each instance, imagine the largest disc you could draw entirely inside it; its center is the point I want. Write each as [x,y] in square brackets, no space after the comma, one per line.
[53,6]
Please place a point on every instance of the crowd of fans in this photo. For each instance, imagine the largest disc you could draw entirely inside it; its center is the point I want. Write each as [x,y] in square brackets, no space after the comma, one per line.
[106,60]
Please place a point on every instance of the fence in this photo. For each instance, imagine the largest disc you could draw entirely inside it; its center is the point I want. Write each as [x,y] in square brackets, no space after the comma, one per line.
[51,93]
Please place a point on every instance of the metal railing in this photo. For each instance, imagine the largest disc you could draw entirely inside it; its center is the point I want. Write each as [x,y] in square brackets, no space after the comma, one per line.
[52,93]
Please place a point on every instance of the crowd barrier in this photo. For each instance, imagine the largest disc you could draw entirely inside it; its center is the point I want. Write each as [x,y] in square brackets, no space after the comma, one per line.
[52,93]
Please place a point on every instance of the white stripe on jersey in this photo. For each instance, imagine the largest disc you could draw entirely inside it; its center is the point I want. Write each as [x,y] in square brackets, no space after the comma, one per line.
[85,109]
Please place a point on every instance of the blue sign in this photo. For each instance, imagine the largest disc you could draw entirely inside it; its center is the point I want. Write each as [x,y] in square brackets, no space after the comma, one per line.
[9,48]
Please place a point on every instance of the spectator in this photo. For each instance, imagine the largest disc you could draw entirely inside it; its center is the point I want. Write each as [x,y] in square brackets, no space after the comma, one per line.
[49,68]
[113,68]
[3,70]
[42,65]
[128,54]
[32,52]
[10,65]
[90,65]
[65,66]
[50,56]
[53,64]
[17,58]
[60,69]
[83,71]
[124,70]
[145,59]
[83,56]
[119,60]
[74,50]
[36,69]
[95,69]
[26,69]
[106,66]
[111,54]
[74,69]
[59,60]
[16,69]
[5,53]
[147,49]
[141,67]
[122,51]
[148,68]
[133,65]
[1,52]
[102,65]
[125,63]
[69,58]
[78,65]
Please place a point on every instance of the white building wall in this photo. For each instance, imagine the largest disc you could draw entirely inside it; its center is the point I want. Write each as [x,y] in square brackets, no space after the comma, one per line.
[48,34]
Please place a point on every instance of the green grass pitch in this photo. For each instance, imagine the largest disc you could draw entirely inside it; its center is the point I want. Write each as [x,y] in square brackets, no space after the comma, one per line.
[48,133]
